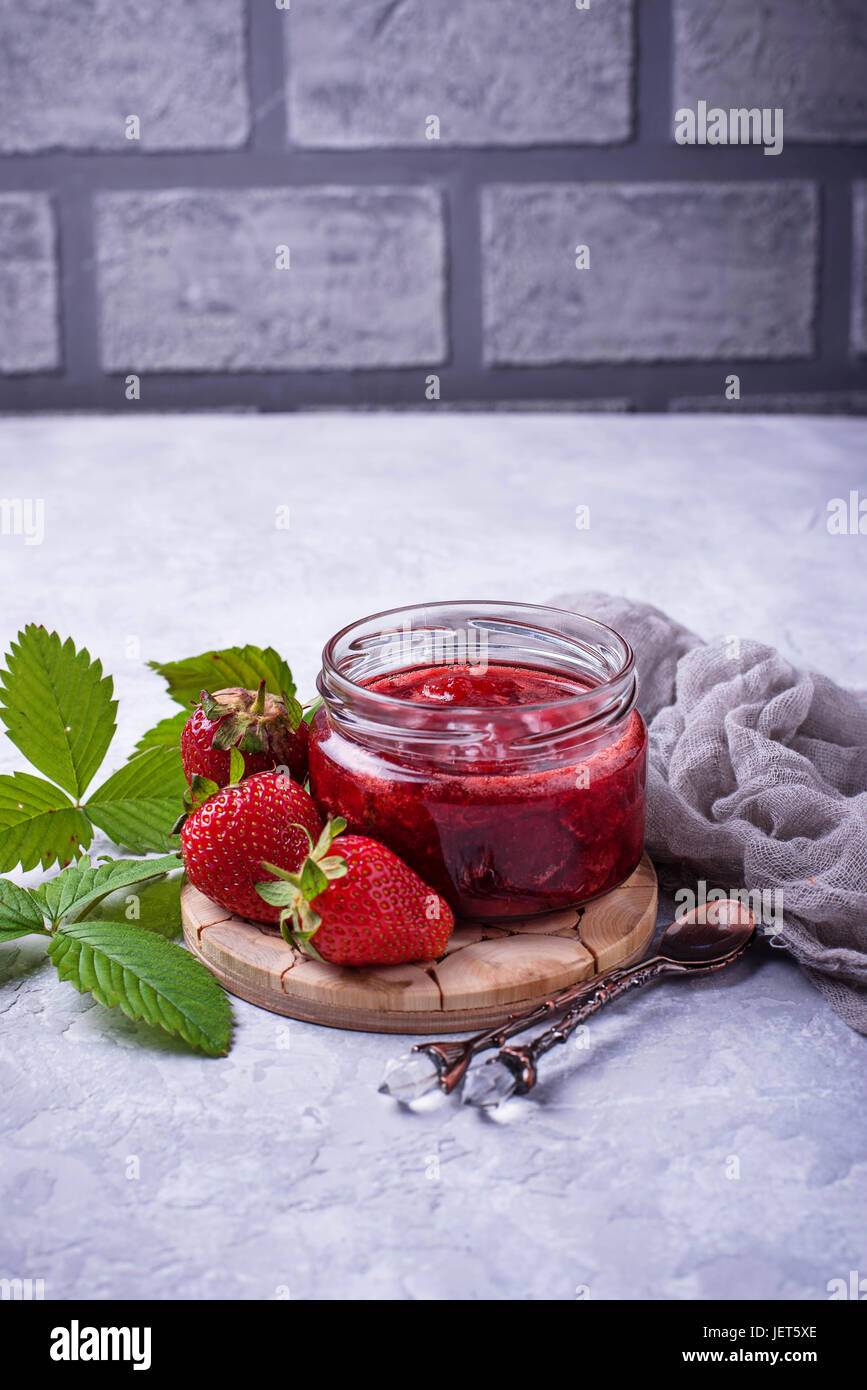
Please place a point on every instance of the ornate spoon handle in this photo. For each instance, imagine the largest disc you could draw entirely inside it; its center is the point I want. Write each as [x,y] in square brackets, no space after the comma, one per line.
[688,947]
[455,1057]
[522,1060]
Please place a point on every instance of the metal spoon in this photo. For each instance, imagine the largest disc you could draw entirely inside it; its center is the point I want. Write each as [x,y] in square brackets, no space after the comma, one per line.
[442,1065]
[700,941]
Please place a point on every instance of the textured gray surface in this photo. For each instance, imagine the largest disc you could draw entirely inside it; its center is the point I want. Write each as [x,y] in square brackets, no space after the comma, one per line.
[70,75]
[495,72]
[29,333]
[190,279]
[808,58]
[675,271]
[279,1168]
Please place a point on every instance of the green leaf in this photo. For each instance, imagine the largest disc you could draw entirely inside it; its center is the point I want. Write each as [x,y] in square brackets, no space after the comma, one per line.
[12,935]
[213,709]
[236,765]
[311,709]
[200,789]
[20,913]
[154,905]
[82,884]
[294,709]
[333,866]
[278,894]
[299,929]
[227,733]
[250,743]
[57,707]
[166,734]
[313,880]
[149,978]
[140,803]
[38,824]
[330,831]
[294,879]
[243,666]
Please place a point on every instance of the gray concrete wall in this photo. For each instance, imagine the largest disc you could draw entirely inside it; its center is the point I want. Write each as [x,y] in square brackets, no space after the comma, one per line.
[282,231]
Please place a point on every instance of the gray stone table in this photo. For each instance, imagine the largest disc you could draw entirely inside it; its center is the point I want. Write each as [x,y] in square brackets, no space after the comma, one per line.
[279,1171]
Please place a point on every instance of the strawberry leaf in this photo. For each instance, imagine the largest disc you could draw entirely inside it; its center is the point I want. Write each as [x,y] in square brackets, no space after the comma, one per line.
[311,709]
[166,734]
[38,824]
[20,913]
[298,925]
[284,874]
[310,919]
[250,743]
[200,789]
[227,733]
[279,894]
[212,708]
[330,831]
[148,978]
[153,905]
[243,666]
[294,709]
[139,805]
[13,934]
[333,866]
[57,707]
[83,884]
[313,880]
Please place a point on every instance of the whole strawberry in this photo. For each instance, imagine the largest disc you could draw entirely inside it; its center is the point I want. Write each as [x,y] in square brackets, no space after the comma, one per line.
[225,839]
[354,902]
[266,731]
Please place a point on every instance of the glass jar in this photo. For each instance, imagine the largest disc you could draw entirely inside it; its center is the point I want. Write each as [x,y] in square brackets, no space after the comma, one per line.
[495,747]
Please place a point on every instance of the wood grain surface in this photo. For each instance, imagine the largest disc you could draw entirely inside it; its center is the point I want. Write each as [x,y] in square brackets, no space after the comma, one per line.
[485,973]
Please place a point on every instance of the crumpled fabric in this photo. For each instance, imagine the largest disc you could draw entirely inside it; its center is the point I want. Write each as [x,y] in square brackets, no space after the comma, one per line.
[757,780]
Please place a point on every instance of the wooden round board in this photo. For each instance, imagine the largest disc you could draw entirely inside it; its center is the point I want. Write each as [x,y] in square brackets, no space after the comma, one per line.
[486,974]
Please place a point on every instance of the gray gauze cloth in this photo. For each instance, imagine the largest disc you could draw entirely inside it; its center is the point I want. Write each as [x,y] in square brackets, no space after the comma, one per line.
[757,779]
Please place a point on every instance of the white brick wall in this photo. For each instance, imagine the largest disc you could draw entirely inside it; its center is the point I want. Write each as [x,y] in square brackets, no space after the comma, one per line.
[28,284]
[71,74]
[676,271]
[309,127]
[192,280]
[494,72]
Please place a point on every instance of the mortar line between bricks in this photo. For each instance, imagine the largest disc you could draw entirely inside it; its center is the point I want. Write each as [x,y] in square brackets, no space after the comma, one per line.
[653,79]
[464,274]
[266,78]
[291,167]
[643,385]
[77,298]
[653,86]
[834,275]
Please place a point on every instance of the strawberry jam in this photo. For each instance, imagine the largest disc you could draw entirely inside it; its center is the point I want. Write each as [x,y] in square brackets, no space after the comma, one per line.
[511,789]
[482,686]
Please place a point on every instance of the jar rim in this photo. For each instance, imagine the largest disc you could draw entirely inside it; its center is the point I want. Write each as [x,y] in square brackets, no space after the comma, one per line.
[394,704]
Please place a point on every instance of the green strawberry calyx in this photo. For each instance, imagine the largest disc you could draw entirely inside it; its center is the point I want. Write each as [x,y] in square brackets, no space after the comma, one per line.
[201,789]
[294,892]
[248,719]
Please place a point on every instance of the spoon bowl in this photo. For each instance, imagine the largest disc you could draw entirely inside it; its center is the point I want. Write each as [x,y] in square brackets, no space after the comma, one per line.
[711,933]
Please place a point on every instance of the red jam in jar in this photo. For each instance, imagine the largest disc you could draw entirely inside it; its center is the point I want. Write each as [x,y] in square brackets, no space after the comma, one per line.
[494,747]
